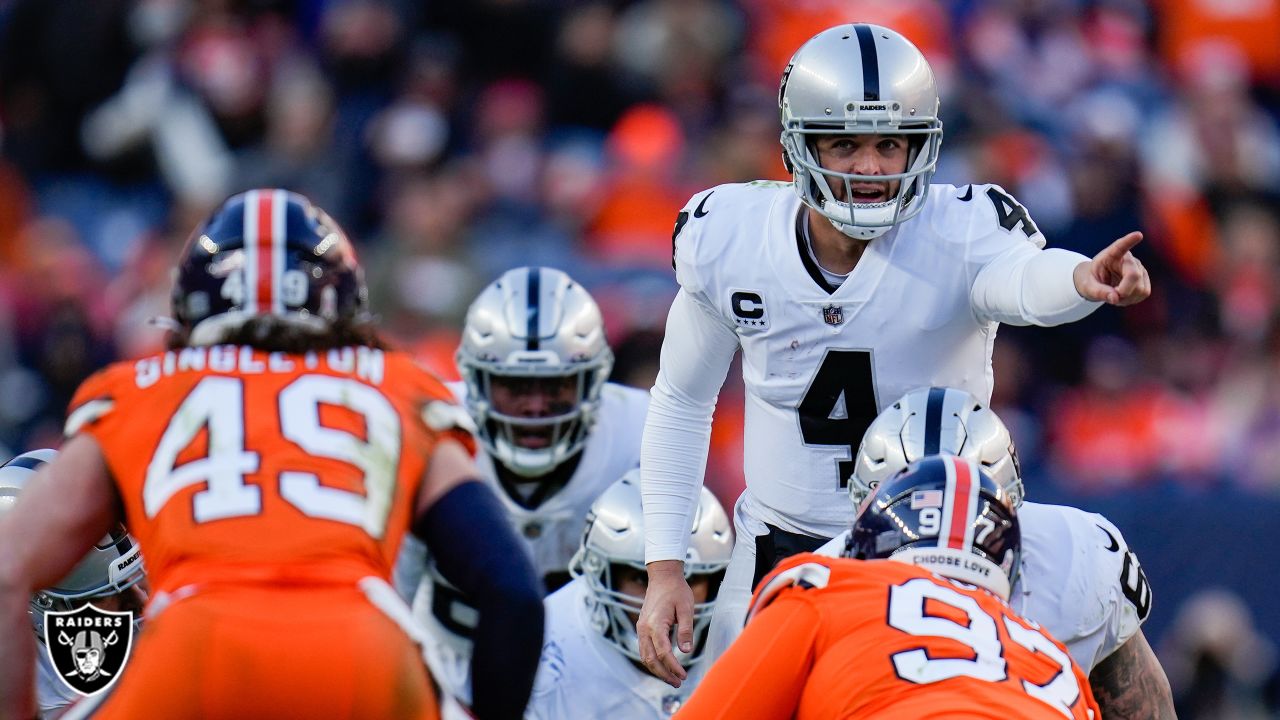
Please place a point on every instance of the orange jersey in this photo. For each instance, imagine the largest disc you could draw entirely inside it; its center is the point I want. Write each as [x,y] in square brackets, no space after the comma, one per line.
[235,464]
[840,638]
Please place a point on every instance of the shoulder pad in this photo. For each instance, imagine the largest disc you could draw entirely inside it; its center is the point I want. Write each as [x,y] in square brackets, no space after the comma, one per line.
[87,413]
[1132,580]
[804,576]
[707,223]
[1000,211]
[95,398]
[441,416]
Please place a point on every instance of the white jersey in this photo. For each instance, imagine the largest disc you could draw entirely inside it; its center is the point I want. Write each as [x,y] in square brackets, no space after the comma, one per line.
[52,695]
[921,307]
[551,532]
[582,675]
[1078,580]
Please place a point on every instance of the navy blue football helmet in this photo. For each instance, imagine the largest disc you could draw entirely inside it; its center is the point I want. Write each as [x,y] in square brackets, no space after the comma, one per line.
[943,513]
[270,253]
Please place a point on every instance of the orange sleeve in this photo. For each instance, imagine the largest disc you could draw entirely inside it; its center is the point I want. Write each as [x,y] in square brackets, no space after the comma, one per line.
[763,673]
[444,417]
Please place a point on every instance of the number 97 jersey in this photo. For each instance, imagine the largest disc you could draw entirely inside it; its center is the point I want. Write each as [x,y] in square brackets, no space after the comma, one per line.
[235,464]
[835,637]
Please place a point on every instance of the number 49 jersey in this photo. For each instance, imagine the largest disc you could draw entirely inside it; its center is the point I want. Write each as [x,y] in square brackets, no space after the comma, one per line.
[316,457]
[819,362]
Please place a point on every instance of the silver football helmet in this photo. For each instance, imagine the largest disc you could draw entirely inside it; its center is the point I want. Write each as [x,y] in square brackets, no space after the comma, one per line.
[615,536]
[932,421]
[535,359]
[860,79]
[113,565]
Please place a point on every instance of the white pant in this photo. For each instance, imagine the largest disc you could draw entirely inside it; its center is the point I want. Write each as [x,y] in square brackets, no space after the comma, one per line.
[735,591]
[734,596]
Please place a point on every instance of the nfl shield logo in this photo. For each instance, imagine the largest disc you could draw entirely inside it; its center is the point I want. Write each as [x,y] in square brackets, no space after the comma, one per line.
[833,314]
[88,646]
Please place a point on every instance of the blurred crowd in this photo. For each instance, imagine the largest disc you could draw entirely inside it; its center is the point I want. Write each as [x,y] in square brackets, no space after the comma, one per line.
[455,140]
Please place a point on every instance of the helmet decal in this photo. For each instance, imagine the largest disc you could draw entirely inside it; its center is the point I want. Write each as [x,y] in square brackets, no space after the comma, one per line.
[960,503]
[931,421]
[265,236]
[870,63]
[533,332]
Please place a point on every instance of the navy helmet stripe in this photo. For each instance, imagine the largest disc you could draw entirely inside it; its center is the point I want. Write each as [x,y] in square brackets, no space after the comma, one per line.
[534,301]
[870,63]
[25,461]
[933,421]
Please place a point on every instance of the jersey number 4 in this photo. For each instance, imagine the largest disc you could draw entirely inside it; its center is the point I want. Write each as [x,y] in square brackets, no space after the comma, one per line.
[217,403]
[907,603]
[839,405]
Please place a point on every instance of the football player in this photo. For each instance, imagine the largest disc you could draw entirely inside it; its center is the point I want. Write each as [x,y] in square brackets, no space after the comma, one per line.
[912,623]
[590,663]
[1078,578]
[534,361]
[847,287]
[270,463]
[111,576]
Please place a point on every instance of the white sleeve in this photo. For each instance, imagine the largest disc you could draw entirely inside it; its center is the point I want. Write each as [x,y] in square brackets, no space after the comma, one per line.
[696,353]
[1029,286]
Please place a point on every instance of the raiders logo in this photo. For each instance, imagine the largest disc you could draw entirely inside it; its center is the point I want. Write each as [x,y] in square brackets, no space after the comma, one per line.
[88,647]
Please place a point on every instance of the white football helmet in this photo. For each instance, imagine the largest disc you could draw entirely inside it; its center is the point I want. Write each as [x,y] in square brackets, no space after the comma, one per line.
[615,536]
[534,325]
[932,421]
[860,79]
[111,567]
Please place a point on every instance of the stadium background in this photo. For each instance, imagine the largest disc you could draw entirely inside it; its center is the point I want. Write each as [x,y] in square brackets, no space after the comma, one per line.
[457,139]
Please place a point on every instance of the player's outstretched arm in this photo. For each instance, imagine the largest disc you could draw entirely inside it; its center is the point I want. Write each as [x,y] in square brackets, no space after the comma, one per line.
[1114,276]
[1130,684]
[696,353]
[69,505]
[469,537]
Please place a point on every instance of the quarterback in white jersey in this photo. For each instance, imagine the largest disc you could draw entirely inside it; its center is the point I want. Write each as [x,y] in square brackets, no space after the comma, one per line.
[1078,578]
[854,284]
[555,434]
[590,666]
[111,577]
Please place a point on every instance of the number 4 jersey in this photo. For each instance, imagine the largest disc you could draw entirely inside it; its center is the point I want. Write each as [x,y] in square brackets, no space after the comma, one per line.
[921,307]
[839,638]
[316,457]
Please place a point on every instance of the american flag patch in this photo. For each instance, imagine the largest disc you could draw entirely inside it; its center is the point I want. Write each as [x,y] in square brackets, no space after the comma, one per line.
[926,499]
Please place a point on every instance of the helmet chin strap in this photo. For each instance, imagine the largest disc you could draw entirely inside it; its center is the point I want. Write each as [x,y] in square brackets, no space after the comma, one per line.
[858,233]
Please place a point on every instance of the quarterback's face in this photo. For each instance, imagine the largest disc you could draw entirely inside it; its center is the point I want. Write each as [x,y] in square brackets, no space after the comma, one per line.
[863,155]
[533,399]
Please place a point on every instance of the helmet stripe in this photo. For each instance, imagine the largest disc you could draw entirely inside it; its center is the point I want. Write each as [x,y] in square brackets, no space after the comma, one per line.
[25,461]
[959,503]
[250,234]
[933,421]
[870,62]
[533,301]
[263,252]
[279,240]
